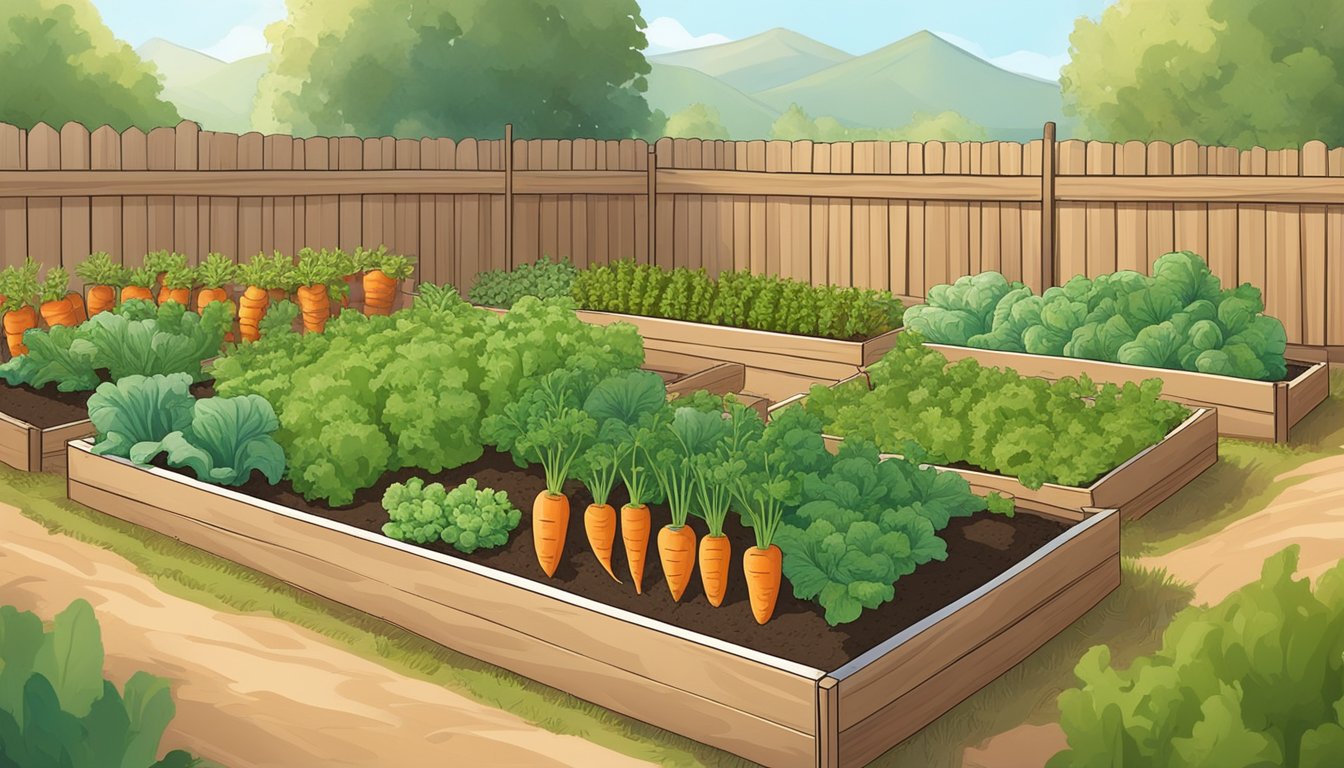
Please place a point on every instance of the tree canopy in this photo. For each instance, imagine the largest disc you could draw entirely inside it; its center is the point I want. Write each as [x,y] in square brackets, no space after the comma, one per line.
[795,124]
[60,63]
[1232,72]
[564,68]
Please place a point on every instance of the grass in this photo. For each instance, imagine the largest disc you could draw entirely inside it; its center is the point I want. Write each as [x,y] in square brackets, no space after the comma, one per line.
[189,573]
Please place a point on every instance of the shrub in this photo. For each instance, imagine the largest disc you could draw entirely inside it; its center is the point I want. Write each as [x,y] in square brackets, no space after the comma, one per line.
[502,288]
[1256,680]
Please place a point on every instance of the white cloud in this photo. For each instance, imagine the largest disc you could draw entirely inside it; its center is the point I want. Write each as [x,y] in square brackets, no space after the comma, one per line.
[239,43]
[667,34]
[1033,63]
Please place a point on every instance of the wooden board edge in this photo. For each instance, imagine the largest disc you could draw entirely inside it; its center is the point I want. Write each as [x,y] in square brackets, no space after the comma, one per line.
[1308,391]
[720,379]
[828,723]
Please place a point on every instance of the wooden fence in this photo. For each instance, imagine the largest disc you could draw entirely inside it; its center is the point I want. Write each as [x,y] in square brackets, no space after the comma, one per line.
[892,215]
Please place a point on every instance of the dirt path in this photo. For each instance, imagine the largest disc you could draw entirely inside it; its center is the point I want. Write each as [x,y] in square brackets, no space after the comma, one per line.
[1310,514]
[256,691]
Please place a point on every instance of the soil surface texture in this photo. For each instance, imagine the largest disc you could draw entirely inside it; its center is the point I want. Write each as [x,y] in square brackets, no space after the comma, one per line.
[979,548]
[46,407]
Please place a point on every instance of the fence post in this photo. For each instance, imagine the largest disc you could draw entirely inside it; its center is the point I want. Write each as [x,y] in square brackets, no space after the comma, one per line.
[1048,207]
[508,194]
[652,199]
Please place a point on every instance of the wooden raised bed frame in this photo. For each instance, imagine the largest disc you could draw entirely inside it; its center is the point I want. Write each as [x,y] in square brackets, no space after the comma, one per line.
[34,449]
[777,364]
[1133,489]
[1247,409]
[773,711]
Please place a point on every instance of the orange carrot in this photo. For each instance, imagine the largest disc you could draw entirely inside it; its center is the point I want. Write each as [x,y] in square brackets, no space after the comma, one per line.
[136,292]
[209,296]
[316,307]
[76,300]
[17,322]
[550,522]
[715,558]
[59,312]
[763,568]
[676,550]
[102,298]
[251,308]
[379,293]
[180,295]
[635,525]
[599,522]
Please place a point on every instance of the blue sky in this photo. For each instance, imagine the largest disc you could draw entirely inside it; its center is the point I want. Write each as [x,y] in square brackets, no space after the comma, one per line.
[1029,36]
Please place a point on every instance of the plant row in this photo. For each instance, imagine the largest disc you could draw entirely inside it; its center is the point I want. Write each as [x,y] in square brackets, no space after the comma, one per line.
[1179,318]
[739,299]
[435,385]
[56,708]
[318,280]
[1068,432]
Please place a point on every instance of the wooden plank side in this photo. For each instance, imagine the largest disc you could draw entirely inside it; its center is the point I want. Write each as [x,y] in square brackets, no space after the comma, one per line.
[1010,218]
[14,210]
[1222,255]
[105,212]
[14,445]
[958,216]
[1334,259]
[1252,244]
[757,217]
[253,229]
[442,620]
[917,283]
[75,217]
[162,156]
[186,213]
[1032,214]
[1102,218]
[1071,242]
[864,741]
[134,218]
[1315,162]
[840,224]
[1283,251]
[1191,219]
[44,213]
[1161,216]
[224,210]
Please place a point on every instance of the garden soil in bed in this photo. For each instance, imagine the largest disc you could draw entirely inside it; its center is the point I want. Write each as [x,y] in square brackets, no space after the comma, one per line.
[45,408]
[979,548]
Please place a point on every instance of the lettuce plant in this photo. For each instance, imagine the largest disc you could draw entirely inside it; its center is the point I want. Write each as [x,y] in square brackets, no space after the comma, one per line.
[139,410]
[467,517]
[56,709]
[227,440]
[1178,318]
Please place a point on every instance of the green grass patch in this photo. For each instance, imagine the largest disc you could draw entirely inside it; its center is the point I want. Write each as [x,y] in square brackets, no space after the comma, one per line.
[190,573]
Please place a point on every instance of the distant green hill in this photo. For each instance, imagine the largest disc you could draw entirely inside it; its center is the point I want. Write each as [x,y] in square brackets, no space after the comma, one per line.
[673,88]
[216,94]
[759,62]
[923,73]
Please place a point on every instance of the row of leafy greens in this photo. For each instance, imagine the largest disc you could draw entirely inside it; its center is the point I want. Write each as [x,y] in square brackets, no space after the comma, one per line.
[739,299]
[1068,432]
[1179,318]
[56,708]
[138,338]
[373,394]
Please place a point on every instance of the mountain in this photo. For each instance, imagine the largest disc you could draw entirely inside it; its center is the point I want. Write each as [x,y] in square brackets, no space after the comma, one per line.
[923,73]
[673,88]
[214,93]
[759,62]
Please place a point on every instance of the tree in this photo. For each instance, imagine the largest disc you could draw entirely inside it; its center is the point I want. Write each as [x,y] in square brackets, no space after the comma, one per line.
[562,68]
[61,63]
[1233,72]
[795,125]
[698,121]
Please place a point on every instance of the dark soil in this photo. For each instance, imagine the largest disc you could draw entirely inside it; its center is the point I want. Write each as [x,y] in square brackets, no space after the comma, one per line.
[45,408]
[979,548]
[1294,370]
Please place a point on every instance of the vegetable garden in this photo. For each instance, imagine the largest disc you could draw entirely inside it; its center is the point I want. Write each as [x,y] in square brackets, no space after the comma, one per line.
[518,485]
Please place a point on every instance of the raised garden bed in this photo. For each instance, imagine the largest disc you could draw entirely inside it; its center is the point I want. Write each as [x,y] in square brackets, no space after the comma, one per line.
[1133,488]
[1248,409]
[777,364]
[795,692]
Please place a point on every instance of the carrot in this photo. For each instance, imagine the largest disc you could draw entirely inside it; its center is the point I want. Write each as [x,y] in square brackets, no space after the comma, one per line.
[102,276]
[76,300]
[635,528]
[550,522]
[763,568]
[316,307]
[102,298]
[138,284]
[160,263]
[381,282]
[136,292]
[18,322]
[251,308]
[676,550]
[178,284]
[57,309]
[715,557]
[599,522]
[208,296]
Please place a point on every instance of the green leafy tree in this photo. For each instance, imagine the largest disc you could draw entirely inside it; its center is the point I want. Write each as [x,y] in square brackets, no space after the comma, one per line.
[61,63]
[1232,72]
[698,121]
[458,68]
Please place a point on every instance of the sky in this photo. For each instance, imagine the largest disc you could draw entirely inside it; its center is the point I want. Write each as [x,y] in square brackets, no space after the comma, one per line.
[1031,36]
